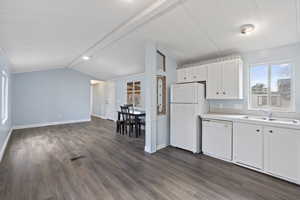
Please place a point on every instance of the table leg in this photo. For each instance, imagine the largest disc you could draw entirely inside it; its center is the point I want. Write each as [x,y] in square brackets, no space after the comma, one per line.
[136,126]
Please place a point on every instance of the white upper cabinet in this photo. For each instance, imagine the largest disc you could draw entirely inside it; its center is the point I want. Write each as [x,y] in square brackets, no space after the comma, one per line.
[214,81]
[192,74]
[225,80]
[184,75]
[282,152]
[199,73]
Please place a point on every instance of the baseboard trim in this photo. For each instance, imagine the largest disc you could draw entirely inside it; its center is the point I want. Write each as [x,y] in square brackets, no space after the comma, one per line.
[50,124]
[98,116]
[2,152]
[161,146]
[148,149]
[102,117]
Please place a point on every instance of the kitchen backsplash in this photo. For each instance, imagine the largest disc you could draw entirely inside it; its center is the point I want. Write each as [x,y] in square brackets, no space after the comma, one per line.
[230,107]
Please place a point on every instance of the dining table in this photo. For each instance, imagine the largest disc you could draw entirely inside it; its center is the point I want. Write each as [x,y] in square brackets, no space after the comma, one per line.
[136,114]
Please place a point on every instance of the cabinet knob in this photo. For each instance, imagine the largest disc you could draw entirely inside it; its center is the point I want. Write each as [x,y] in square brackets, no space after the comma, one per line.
[270,131]
[184,78]
[258,130]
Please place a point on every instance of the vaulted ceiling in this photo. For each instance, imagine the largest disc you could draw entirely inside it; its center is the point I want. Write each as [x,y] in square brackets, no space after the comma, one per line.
[46,34]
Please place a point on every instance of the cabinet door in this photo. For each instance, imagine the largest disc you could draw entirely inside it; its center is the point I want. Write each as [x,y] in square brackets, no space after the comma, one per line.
[214,81]
[230,79]
[248,143]
[184,75]
[181,73]
[217,139]
[184,127]
[199,73]
[283,152]
[188,75]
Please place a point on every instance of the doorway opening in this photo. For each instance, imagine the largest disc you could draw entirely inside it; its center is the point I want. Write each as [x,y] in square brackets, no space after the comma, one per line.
[103,99]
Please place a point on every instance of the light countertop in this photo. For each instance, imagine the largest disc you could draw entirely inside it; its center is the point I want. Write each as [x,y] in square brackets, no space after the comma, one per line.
[242,118]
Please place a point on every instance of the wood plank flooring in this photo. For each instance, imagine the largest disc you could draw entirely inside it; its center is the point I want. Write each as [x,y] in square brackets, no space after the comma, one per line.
[38,166]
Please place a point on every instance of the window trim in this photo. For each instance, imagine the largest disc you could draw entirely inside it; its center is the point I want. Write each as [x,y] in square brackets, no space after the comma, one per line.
[292,108]
[4,97]
[126,91]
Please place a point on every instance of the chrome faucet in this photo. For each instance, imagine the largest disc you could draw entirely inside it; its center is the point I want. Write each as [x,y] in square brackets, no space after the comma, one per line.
[268,113]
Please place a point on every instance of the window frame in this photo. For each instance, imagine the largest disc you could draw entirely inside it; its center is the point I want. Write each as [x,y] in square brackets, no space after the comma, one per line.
[292,108]
[4,96]
[133,92]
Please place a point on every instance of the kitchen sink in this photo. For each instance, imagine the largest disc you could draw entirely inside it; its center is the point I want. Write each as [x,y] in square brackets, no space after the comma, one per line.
[278,120]
[284,120]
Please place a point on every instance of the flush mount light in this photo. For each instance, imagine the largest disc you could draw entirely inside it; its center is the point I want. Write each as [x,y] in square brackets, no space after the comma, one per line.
[86,57]
[247,28]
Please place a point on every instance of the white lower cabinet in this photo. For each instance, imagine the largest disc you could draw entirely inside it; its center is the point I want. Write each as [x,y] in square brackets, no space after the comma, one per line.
[282,152]
[217,139]
[248,145]
[272,150]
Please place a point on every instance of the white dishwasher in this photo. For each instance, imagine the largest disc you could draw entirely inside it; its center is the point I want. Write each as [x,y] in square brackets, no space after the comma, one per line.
[217,138]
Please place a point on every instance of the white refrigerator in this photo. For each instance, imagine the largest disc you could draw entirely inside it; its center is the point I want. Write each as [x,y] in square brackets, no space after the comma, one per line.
[187,103]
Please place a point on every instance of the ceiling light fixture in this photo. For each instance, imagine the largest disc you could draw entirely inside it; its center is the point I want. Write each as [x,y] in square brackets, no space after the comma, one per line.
[86,57]
[247,28]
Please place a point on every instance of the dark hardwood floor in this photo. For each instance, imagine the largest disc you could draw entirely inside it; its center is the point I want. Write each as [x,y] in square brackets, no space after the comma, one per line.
[90,161]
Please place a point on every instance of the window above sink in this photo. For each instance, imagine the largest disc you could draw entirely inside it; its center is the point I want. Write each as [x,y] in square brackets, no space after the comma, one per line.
[271,87]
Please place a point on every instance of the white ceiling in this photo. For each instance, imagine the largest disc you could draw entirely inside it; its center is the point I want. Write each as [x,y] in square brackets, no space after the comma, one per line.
[43,34]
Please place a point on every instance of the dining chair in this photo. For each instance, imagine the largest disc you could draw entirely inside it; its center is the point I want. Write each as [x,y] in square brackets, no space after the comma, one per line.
[121,120]
[127,122]
[130,107]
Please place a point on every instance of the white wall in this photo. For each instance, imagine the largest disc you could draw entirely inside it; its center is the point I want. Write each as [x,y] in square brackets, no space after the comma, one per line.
[51,96]
[121,89]
[6,127]
[157,127]
[103,97]
[150,98]
[163,121]
[290,52]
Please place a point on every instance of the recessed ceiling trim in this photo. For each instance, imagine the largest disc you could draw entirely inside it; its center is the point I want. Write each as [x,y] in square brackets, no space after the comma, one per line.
[156,9]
